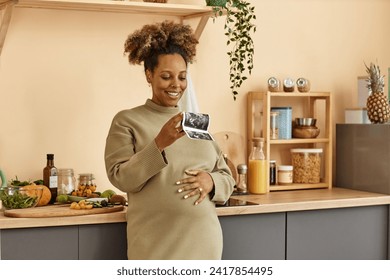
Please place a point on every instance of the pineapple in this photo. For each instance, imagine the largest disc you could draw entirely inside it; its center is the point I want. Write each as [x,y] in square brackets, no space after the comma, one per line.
[378,109]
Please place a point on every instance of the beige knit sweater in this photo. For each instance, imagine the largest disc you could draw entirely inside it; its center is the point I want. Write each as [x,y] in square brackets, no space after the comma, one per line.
[160,223]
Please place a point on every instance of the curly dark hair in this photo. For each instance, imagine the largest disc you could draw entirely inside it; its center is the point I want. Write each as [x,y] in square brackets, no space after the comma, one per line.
[167,37]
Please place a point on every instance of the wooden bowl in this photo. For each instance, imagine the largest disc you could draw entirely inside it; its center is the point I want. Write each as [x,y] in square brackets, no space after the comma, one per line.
[305,132]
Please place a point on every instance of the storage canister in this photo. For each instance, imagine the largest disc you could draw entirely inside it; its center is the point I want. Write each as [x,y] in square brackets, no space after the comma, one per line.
[288,85]
[273,84]
[303,85]
[285,174]
[307,165]
[66,181]
[284,121]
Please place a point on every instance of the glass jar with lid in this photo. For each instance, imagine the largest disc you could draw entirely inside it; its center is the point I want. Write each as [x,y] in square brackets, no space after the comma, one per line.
[86,186]
[66,181]
[86,179]
[303,85]
[307,165]
[273,84]
[285,174]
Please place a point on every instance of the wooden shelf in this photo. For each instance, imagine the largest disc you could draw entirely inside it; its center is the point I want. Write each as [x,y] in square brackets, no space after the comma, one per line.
[298,187]
[298,141]
[167,9]
[300,94]
[176,10]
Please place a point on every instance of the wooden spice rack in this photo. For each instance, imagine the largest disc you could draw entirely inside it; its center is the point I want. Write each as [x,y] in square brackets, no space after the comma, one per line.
[310,104]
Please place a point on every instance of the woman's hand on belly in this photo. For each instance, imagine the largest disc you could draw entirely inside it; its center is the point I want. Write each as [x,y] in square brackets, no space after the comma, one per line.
[199,184]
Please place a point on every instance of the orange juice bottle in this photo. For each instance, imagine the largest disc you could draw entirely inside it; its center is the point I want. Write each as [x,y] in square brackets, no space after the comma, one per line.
[257,169]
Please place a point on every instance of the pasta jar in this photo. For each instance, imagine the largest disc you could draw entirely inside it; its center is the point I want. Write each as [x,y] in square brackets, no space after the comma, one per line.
[66,181]
[285,174]
[307,165]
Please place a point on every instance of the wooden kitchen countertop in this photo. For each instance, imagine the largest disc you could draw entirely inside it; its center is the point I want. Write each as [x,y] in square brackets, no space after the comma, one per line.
[281,201]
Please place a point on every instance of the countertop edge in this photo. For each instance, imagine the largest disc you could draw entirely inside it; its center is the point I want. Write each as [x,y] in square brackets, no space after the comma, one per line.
[274,202]
[303,206]
[11,223]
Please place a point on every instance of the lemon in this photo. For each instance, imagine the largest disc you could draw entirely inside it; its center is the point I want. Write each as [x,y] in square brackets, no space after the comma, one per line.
[62,198]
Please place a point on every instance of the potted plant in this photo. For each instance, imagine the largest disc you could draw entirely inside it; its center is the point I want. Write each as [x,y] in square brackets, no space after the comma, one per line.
[239,28]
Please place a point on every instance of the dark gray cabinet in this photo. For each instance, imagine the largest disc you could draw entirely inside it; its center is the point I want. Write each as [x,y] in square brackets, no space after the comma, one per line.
[87,242]
[254,237]
[359,233]
[49,243]
[103,242]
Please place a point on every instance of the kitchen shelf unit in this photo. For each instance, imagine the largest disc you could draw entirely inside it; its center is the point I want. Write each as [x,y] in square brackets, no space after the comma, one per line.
[183,11]
[258,125]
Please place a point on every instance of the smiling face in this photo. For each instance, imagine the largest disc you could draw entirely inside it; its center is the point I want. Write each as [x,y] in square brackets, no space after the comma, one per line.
[168,79]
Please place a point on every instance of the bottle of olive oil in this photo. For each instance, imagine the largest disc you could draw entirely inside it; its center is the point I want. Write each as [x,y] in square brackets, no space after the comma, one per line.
[50,178]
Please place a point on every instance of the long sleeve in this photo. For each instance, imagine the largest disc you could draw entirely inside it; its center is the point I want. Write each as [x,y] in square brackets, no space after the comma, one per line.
[129,169]
[223,181]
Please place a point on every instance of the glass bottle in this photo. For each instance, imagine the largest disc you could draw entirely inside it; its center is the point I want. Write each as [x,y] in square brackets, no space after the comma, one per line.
[242,186]
[50,178]
[257,170]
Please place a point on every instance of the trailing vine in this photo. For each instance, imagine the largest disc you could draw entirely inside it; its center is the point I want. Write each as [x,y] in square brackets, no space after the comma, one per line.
[239,29]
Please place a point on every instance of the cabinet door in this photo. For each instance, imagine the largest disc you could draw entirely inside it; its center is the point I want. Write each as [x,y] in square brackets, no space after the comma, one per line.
[345,233]
[103,242]
[253,237]
[49,243]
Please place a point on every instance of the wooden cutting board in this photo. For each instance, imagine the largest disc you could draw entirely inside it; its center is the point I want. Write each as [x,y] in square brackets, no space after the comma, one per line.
[58,211]
[233,145]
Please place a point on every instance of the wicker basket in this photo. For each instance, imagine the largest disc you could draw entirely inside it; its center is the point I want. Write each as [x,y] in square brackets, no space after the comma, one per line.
[156,1]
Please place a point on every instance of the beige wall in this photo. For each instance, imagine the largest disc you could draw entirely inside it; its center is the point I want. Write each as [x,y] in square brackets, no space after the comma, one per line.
[63,75]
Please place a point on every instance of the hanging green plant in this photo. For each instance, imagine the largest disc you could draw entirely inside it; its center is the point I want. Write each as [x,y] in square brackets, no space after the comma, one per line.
[239,28]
